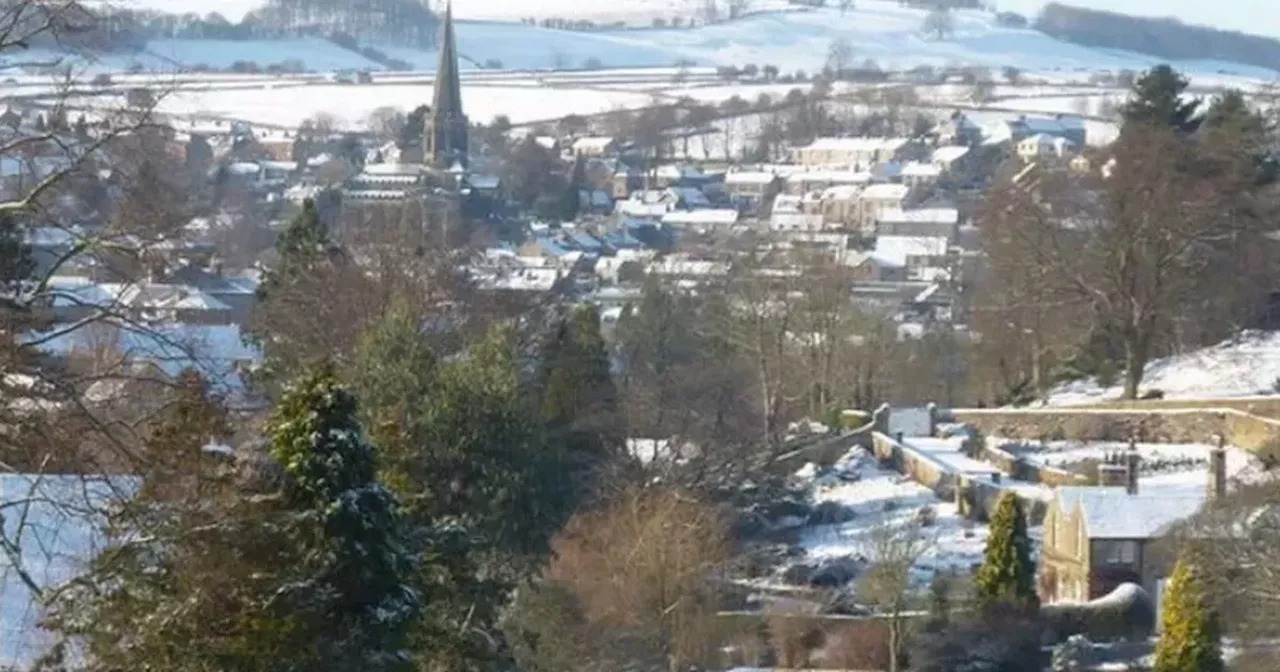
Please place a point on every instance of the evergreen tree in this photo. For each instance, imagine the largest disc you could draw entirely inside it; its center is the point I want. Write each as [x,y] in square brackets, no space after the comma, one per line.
[579,400]
[1189,640]
[1007,574]
[1157,101]
[356,595]
[468,457]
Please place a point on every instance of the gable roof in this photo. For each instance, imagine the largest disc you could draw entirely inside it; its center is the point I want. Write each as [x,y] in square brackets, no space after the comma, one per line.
[1113,513]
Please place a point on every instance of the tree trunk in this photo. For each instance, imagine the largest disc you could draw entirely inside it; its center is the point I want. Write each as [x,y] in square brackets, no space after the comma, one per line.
[1135,361]
[894,637]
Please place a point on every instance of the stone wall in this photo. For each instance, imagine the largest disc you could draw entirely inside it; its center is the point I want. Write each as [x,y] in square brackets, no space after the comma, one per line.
[1202,425]
[823,451]
[1022,470]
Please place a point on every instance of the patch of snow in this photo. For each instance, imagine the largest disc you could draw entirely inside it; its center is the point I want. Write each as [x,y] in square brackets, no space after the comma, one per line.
[1240,367]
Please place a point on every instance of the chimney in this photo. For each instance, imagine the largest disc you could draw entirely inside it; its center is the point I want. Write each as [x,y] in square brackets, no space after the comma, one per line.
[1131,459]
[1112,475]
[1218,471]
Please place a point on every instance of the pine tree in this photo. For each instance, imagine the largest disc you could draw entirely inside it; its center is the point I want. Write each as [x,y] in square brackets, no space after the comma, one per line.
[1157,101]
[1189,640]
[1007,574]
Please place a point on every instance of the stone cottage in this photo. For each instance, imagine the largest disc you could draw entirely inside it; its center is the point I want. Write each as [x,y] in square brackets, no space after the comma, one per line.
[1098,537]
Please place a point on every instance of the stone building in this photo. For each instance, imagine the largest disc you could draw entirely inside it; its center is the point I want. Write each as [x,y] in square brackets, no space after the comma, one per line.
[1098,537]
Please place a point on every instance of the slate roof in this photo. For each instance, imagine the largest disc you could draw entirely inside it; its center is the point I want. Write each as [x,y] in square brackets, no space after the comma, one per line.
[1112,513]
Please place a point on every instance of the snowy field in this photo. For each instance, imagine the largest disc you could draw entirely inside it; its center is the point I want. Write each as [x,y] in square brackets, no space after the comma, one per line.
[879,30]
[1243,367]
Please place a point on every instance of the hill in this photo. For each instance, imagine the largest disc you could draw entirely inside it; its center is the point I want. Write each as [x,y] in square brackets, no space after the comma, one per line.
[1161,37]
[1242,367]
[882,31]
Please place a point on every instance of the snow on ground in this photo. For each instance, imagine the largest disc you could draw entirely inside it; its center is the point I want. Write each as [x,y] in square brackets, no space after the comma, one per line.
[1242,367]
[880,498]
[351,104]
[880,30]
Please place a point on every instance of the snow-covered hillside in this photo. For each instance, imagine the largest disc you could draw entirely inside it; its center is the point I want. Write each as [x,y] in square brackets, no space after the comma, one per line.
[1246,366]
[880,30]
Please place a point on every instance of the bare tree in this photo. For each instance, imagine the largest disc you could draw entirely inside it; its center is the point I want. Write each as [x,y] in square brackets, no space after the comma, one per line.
[386,122]
[845,6]
[894,549]
[939,23]
[1136,249]
[737,8]
[839,55]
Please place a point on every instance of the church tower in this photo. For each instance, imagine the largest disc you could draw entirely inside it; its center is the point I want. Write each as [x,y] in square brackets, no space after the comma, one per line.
[446,129]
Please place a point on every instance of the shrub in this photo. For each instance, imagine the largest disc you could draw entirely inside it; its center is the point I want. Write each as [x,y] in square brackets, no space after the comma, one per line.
[858,646]
[1127,613]
[102,79]
[1152,394]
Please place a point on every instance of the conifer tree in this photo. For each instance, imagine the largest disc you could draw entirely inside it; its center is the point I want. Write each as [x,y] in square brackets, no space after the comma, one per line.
[1157,101]
[1007,574]
[1189,639]
[356,590]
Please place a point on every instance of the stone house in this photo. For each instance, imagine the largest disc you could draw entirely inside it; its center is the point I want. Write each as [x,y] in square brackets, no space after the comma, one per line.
[1040,146]
[851,152]
[1098,537]
[595,146]
[747,189]
[877,199]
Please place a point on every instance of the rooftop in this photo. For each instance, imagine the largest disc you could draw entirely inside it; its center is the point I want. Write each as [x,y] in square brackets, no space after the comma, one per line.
[1113,513]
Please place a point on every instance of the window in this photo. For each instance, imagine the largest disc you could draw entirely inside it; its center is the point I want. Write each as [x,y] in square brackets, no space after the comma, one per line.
[1118,552]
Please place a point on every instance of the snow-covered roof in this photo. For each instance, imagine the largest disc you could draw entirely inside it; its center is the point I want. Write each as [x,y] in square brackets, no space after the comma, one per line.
[598,143]
[922,215]
[894,250]
[749,177]
[856,144]
[842,192]
[520,280]
[287,166]
[243,168]
[886,192]
[949,153]
[713,217]
[919,169]
[676,264]
[1113,513]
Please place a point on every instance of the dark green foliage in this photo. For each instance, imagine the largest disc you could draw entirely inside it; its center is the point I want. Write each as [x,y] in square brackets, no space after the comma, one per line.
[579,400]
[468,457]
[1007,574]
[1157,101]
[357,593]
[303,565]
[1190,637]
[532,173]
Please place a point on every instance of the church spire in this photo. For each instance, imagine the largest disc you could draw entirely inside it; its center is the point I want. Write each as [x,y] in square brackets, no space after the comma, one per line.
[446,131]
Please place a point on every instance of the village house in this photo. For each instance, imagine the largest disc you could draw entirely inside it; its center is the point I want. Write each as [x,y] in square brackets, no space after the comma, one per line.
[935,222]
[912,257]
[1096,538]
[806,181]
[952,160]
[879,198]
[851,152]
[1061,126]
[959,130]
[840,206]
[918,174]
[747,189]
[1043,146]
